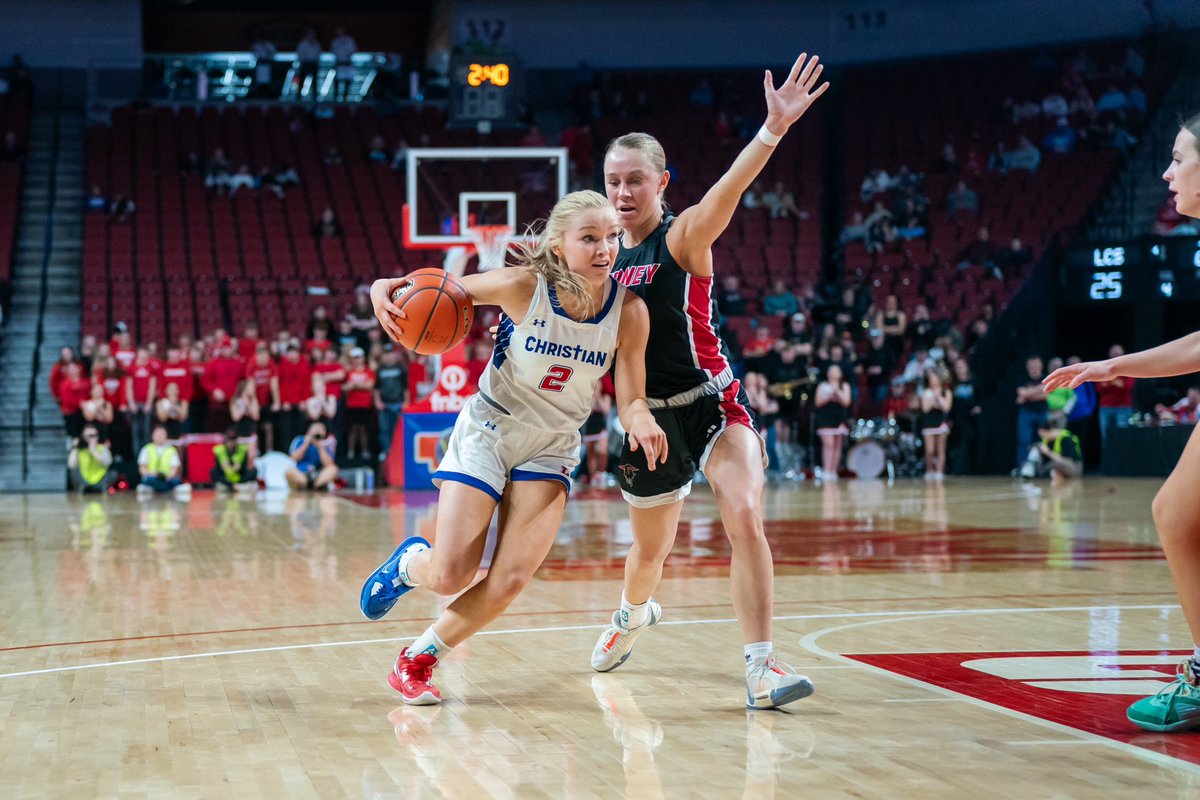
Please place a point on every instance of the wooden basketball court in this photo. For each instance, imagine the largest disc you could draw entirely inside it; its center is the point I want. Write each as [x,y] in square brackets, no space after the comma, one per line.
[977,638]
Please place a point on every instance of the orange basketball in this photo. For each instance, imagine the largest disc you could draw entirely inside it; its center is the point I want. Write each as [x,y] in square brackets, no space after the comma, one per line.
[439,309]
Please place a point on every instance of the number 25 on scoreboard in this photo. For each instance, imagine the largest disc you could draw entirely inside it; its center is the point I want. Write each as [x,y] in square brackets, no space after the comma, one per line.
[1105,286]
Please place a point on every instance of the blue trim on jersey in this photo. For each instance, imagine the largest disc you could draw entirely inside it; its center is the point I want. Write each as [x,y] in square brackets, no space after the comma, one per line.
[503,334]
[530,475]
[558,309]
[469,480]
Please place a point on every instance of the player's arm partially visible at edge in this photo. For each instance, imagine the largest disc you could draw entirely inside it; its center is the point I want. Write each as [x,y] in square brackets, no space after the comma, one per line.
[630,381]
[511,288]
[1179,357]
[697,227]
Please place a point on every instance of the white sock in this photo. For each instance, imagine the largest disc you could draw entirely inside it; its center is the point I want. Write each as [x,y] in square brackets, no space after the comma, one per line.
[1195,653]
[402,565]
[429,642]
[758,652]
[634,616]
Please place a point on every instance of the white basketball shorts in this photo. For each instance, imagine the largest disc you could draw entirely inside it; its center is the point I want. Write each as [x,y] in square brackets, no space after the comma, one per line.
[488,448]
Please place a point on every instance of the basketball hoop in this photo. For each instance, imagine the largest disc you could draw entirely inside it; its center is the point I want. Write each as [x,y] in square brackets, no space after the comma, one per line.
[491,242]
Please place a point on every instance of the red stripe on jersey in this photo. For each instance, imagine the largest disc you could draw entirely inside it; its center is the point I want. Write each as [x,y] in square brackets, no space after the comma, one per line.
[734,412]
[706,347]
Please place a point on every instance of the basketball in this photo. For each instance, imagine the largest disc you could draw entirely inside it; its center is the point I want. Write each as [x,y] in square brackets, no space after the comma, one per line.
[439,309]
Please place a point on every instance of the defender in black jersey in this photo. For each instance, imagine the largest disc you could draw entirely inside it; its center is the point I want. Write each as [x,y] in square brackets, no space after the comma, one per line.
[667,261]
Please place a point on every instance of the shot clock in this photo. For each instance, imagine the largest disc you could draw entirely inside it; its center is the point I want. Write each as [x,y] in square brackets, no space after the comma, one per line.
[484,88]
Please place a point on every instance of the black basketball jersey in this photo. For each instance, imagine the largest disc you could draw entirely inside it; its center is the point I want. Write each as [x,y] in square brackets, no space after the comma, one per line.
[684,350]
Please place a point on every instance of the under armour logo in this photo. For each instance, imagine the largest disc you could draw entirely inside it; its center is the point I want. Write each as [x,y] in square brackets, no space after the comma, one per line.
[565,471]
[629,470]
[491,426]
[539,323]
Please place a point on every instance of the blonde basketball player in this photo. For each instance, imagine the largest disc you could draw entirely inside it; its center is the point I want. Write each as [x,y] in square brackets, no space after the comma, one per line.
[667,260]
[516,442]
[1176,514]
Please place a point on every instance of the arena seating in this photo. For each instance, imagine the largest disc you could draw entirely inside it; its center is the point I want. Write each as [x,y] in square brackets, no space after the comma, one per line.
[14,116]
[186,241]
[903,114]
[189,250]
[758,248]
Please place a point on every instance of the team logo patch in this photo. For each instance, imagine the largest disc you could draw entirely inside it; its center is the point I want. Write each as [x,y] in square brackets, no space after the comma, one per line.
[628,471]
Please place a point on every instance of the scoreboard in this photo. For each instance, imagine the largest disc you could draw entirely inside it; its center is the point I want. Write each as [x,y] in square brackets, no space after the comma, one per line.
[484,89]
[1132,271]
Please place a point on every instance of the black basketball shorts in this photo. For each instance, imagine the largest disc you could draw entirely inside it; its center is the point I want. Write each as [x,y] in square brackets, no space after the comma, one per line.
[691,430]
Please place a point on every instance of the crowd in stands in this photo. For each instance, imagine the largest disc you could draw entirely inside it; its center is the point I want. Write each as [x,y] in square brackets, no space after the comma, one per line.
[816,364]
[331,395]
[813,363]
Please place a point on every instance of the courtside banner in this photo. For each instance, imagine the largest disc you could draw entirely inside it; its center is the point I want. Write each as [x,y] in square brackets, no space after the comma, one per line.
[425,438]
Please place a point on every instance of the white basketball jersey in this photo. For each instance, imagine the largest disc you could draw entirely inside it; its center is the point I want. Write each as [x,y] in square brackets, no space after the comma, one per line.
[544,370]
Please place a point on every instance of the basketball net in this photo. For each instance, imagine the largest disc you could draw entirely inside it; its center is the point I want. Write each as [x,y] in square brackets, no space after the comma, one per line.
[491,243]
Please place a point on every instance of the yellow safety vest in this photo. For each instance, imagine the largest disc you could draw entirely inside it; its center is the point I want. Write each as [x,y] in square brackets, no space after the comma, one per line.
[90,469]
[158,462]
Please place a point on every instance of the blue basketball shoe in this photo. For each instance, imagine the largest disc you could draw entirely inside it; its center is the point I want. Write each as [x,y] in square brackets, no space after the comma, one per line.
[386,585]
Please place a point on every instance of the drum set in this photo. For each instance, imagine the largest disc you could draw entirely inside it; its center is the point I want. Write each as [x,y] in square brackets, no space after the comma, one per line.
[880,446]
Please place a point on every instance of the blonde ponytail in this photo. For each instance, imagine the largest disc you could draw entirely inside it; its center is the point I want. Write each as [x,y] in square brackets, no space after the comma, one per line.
[539,255]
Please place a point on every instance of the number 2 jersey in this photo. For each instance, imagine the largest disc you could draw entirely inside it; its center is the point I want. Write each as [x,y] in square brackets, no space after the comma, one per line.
[544,369]
[685,357]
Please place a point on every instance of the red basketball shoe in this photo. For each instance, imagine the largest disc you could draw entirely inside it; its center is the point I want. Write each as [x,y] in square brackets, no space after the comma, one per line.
[411,678]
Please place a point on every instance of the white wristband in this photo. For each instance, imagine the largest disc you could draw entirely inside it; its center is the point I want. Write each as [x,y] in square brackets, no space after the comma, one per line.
[768,138]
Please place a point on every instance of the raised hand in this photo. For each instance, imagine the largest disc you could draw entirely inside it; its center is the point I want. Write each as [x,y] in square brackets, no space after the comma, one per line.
[788,103]
[1075,374]
[388,314]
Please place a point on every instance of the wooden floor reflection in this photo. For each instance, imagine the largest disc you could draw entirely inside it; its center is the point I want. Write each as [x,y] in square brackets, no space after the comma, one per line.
[972,638]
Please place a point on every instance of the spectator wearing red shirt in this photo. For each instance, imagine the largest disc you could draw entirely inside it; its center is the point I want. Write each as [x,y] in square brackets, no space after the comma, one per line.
[319,341]
[481,354]
[73,390]
[141,390]
[295,385]
[360,405]
[179,372]
[198,409]
[1115,398]
[57,373]
[262,370]
[248,345]
[329,368]
[108,373]
[217,341]
[122,347]
[220,381]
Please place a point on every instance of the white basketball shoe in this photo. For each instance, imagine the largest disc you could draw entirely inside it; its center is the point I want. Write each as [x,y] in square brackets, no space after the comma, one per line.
[771,683]
[616,643]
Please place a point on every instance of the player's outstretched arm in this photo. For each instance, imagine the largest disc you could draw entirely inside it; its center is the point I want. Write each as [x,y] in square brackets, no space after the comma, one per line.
[700,225]
[630,380]
[1179,357]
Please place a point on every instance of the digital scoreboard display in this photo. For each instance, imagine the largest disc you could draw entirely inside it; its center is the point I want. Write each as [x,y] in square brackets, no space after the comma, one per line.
[1161,269]
[484,89]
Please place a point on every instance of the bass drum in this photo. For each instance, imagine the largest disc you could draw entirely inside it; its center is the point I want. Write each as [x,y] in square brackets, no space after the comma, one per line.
[867,459]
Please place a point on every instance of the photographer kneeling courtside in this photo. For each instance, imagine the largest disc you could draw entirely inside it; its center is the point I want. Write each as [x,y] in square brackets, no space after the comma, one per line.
[312,454]
[90,462]
[235,465]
